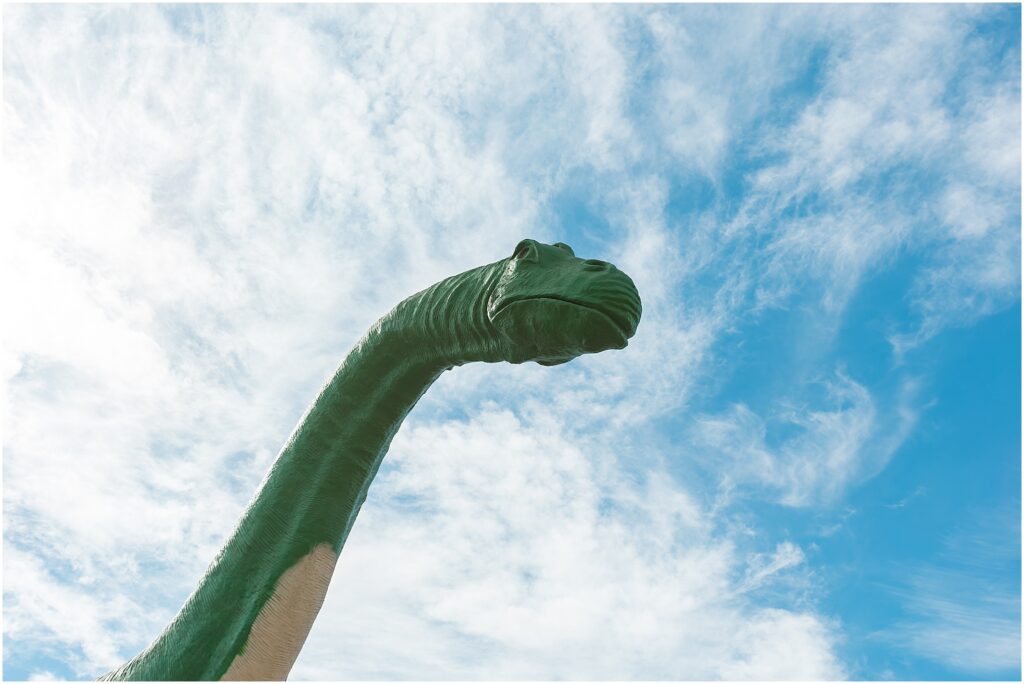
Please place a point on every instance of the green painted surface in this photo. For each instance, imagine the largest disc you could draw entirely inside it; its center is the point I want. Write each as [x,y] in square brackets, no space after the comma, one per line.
[541,304]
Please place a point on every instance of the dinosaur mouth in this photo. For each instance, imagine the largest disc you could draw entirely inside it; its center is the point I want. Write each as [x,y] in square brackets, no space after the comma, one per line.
[619,319]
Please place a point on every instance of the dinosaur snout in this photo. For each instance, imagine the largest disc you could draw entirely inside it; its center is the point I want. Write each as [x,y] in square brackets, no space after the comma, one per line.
[552,306]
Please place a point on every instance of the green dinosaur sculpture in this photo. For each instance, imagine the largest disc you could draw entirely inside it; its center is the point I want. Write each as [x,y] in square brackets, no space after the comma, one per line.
[251,612]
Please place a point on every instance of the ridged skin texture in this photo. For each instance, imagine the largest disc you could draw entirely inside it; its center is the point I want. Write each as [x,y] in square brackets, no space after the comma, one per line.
[251,612]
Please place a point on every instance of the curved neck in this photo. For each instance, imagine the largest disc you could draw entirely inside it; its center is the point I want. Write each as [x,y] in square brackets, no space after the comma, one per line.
[447,322]
[251,612]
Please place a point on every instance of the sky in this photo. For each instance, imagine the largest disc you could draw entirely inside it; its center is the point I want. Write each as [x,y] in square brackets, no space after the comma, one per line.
[806,464]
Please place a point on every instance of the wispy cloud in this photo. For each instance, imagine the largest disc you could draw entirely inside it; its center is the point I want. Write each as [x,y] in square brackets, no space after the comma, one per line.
[966,609]
[886,159]
[819,451]
[563,569]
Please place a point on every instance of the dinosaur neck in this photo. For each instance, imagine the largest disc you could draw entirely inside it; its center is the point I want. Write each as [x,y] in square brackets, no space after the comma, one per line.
[252,610]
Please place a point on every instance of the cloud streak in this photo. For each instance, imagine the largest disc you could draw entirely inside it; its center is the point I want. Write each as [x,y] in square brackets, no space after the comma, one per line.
[965,613]
[823,451]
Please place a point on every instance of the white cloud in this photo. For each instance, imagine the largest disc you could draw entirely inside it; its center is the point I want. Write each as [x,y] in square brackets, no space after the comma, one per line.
[867,160]
[530,562]
[976,634]
[707,91]
[762,566]
[820,450]
[37,605]
[965,608]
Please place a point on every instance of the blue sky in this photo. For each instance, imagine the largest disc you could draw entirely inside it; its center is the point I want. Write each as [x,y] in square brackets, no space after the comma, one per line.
[805,465]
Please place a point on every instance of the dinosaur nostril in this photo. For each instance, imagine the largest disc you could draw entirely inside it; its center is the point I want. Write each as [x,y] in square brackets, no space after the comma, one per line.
[595,265]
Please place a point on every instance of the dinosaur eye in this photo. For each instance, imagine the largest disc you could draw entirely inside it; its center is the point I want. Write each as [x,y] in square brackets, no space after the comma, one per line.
[523,250]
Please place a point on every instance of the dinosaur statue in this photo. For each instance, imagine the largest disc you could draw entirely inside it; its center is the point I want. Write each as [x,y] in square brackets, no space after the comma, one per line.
[252,611]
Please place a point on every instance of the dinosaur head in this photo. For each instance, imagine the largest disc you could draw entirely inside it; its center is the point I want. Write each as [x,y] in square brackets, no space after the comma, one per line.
[551,306]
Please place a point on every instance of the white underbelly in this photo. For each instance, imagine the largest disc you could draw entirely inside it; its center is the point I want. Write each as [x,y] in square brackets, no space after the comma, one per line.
[282,625]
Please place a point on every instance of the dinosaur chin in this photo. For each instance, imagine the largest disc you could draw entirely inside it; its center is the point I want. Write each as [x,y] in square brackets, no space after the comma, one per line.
[551,330]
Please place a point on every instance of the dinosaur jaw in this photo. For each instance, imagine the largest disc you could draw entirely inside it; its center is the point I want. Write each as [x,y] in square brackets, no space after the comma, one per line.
[552,330]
